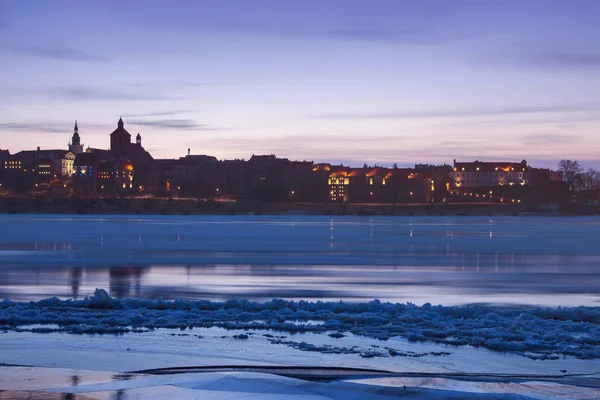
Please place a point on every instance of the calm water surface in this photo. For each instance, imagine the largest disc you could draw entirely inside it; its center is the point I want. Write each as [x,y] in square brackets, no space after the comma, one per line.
[442,260]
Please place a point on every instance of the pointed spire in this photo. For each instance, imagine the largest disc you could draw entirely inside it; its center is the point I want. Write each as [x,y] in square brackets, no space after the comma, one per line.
[120,123]
[76,140]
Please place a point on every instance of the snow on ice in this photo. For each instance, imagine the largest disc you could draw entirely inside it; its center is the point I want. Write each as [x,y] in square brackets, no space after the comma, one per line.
[533,332]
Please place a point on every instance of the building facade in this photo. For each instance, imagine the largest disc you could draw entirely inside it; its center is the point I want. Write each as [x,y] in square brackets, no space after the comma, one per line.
[490,174]
[127,168]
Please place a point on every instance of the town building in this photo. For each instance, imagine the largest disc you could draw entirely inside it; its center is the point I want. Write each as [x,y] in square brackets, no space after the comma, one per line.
[126,168]
[4,156]
[423,183]
[490,174]
[505,182]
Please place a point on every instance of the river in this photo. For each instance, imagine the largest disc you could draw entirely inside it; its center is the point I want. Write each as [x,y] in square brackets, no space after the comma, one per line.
[442,260]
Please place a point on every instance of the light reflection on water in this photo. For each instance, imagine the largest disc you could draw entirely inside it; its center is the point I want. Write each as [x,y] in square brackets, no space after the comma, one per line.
[442,260]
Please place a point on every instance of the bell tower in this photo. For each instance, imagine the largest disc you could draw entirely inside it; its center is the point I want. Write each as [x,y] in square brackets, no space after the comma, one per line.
[120,139]
[75,146]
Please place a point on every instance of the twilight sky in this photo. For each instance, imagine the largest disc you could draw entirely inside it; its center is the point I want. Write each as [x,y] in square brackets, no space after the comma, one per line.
[376,81]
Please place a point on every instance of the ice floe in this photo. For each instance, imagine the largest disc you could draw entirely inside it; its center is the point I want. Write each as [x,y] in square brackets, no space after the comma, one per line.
[539,333]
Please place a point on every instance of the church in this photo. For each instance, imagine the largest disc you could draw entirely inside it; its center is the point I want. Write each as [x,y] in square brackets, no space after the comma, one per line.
[125,168]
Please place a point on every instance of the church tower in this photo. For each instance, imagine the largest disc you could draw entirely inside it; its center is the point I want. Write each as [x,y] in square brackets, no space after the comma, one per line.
[138,139]
[75,146]
[120,139]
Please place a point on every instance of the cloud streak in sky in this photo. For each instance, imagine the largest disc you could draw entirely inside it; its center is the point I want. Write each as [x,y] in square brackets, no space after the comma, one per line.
[42,126]
[98,93]
[179,124]
[474,112]
[156,114]
[57,53]
[47,127]
[568,60]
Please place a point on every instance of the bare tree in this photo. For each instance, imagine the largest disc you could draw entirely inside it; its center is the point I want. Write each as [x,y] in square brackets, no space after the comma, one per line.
[590,183]
[572,172]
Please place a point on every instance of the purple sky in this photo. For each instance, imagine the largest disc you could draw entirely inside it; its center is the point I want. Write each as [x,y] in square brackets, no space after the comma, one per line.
[339,80]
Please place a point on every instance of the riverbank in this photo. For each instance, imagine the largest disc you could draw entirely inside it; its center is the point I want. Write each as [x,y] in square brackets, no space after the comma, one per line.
[189,206]
[212,363]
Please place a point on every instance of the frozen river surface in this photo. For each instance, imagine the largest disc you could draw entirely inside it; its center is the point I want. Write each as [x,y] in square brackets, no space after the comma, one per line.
[442,260]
